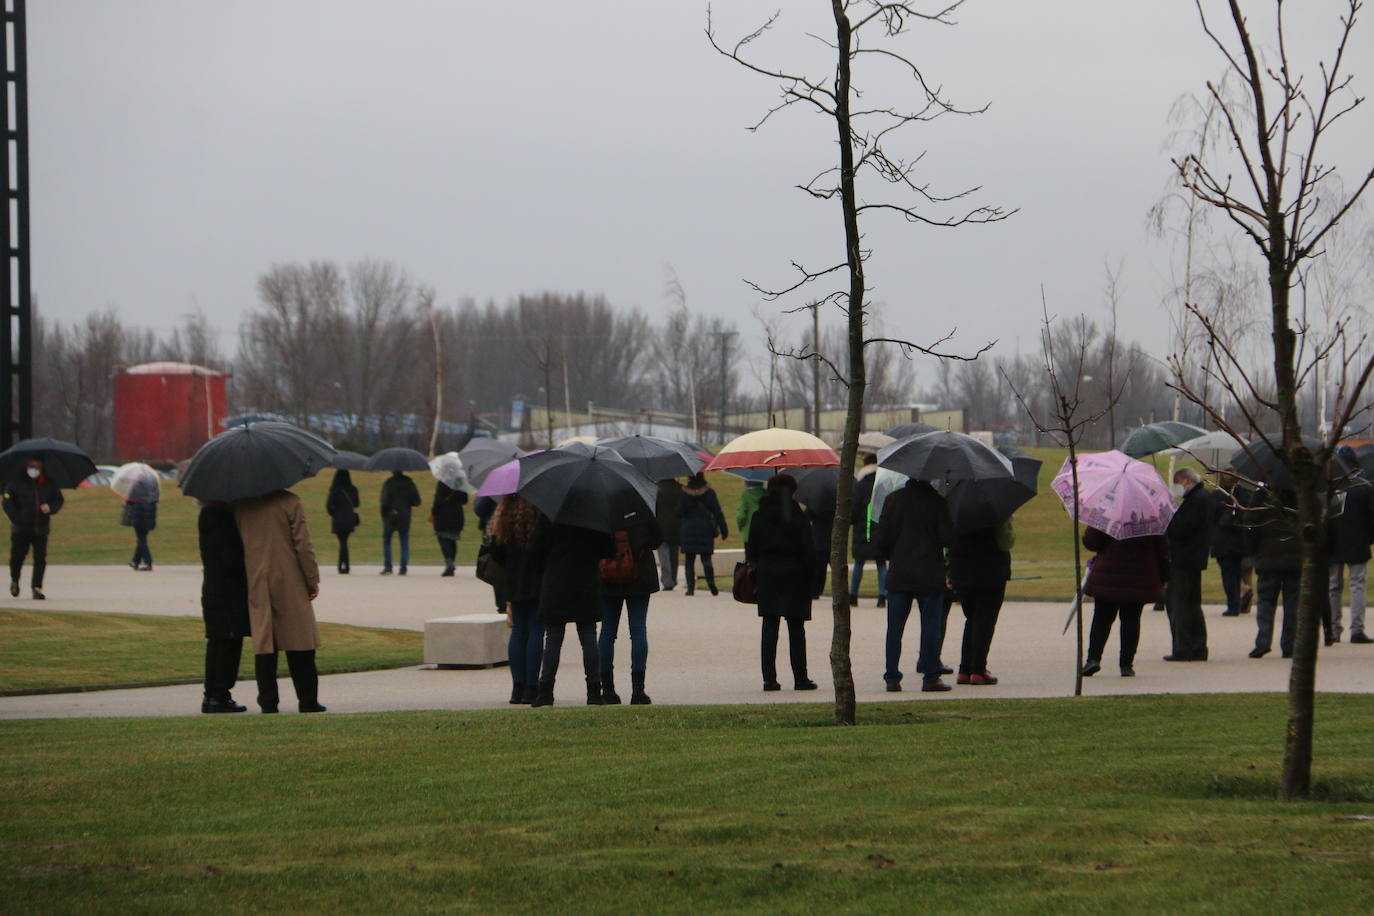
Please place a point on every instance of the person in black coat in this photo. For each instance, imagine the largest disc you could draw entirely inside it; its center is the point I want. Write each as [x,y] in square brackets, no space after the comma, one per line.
[1228,542]
[446,515]
[861,544]
[913,533]
[399,496]
[511,531]
[622,587]
[342,506]
[1347,538]
[1190,536]
[140,514]
[1272,539]
[701,518]
[569,592]
[780,548]
[665,510]
[31,500]
[223,605]
[979,567]
[483,508]
[1123,577]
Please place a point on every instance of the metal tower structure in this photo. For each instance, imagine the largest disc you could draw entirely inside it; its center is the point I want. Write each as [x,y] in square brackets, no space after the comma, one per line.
[16,339]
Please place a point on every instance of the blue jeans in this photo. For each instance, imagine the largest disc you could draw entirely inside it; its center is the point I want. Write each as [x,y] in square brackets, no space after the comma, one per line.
[856,576]
[526,647]
[638,608]
[387,532]
[142,555]
[932,610]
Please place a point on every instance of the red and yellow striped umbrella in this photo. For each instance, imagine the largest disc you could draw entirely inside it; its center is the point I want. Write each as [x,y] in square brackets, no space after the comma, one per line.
[774,448]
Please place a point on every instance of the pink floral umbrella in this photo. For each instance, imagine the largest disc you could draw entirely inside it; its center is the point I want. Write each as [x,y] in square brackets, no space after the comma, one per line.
[1117,494]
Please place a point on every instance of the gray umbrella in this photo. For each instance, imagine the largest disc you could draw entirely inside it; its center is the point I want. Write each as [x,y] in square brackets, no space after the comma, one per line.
[64,464]
[656,459]
[587,486]
[482,456]
[944,456]
[253,460]
[397,459]
[1258,461]
[1156,437]
[911,429]
[350,461]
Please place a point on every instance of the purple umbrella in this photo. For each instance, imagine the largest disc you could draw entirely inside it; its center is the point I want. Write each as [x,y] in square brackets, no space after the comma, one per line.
[503,479]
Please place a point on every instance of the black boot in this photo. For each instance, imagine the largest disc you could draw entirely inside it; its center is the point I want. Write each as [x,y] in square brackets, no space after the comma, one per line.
[517,695]
[224,703]
[265,670]
[711,584]
[637,696]
[593,691]
[544,695]
[305,679]
[529,697]
[608,695]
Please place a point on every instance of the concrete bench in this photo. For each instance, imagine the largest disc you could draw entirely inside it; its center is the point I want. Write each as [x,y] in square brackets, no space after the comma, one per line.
[467,641]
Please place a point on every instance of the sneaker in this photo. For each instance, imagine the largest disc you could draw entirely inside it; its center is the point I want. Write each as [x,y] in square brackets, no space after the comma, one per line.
[1258,653]
[38,594]
[771,686]
[14,588]
[1361,639]
[982,680]
[936,686]
[385,572]
[1127,671]
[807,684]
[882,601]
[1091,667]
[963,677]
[1230,613]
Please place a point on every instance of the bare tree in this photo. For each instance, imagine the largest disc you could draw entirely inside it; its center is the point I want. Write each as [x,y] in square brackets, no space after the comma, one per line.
[1271,183]
[866,32]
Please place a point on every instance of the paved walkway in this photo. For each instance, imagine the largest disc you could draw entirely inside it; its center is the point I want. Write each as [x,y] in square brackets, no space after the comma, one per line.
[702,650]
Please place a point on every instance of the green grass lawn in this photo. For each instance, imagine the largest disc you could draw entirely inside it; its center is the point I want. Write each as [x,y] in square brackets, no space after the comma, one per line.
[88,531]
[1112,805]
[58,650]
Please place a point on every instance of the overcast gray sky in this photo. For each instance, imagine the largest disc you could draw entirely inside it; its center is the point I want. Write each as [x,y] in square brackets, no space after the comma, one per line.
[180,147]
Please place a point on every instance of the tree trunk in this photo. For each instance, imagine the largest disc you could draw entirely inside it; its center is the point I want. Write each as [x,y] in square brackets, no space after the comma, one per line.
[840,668]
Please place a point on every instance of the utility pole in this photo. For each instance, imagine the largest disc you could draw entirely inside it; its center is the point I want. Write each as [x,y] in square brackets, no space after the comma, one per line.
[816,370]
[724,337]
[16,340]
[438,379]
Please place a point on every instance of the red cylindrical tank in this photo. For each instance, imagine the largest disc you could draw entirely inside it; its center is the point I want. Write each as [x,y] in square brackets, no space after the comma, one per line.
[165,411]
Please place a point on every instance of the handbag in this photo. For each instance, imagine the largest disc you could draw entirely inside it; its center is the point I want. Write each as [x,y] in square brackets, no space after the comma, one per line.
[489,569]
[746,584]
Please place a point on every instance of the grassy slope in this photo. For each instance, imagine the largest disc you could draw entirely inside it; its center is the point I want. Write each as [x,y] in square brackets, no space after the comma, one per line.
[1125,804]
[87,531]
[46,650]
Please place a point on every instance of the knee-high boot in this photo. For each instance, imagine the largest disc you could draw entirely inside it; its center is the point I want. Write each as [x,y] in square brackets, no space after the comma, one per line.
[305,679]
[265,669]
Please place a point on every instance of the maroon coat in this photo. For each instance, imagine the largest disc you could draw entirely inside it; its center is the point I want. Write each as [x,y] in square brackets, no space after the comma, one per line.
[1132,571]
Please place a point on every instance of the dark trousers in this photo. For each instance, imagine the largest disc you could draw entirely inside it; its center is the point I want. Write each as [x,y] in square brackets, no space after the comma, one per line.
[449,548]
[981,609]
[553,650]
[708,570]
[404,535]
[667,565]
[1230,582]
[304,677]
[1183,601]
[20,542]
[1105,613]
[526,646]
[1267,590]
[343,553]
[796,648]
[637,610]
[142,555]
[222,658]
[934,610]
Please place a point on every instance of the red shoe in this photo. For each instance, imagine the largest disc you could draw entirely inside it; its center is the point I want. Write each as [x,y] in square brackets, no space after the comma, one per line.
[984,679]
[963,678]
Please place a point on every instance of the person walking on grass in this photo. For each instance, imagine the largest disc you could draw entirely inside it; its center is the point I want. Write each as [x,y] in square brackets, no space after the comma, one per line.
[701,520]
[861,543]
[1189,535]
[780,548]
[1123,577]
[342,506]
[913,533]
[511,530]
[446,515]
[399,497]
[627,581]
[979,567]
[1348,536]
[223,605]
[665,510]
[283,580]
[31,500]
[140,514]
[569,592]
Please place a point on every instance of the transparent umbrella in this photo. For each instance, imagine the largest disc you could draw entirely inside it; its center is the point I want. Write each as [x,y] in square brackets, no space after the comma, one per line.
[137,482]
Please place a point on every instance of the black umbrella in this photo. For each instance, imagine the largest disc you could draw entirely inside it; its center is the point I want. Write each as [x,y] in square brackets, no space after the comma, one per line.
[1258,461]
[944,456]
[350,461]
[587,486]
[482,456]
[64,464]
[253,460]
[656,459]
[397,459]
[1365,456]
[816,489]
[911,429]
[988,503]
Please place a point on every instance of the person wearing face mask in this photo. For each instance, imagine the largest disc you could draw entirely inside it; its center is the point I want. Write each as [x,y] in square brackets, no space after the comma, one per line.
[1190,540]
[31,500]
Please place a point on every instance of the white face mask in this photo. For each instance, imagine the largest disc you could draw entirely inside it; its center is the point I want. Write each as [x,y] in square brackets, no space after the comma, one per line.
[34,472]
[1177,490]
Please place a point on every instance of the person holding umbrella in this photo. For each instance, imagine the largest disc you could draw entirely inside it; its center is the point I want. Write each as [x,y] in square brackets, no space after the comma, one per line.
[861,546]
[31,501]
[511,531]
[223,605]
[399,497]
[628,581]
[1123,576]
[446,515]
[342,506]
[979,567]
[140,514]
[1189,535]
[780,548]
[570,592]
[913,532]
[665,510]
[701,519]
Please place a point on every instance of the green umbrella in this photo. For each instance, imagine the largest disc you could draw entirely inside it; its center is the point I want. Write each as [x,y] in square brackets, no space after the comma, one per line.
[1156,437]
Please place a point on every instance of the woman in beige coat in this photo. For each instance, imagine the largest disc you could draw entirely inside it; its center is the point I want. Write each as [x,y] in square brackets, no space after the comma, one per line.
[283,579]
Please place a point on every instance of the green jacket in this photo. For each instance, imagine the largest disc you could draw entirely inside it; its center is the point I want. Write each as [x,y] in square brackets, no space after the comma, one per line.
[748,504]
